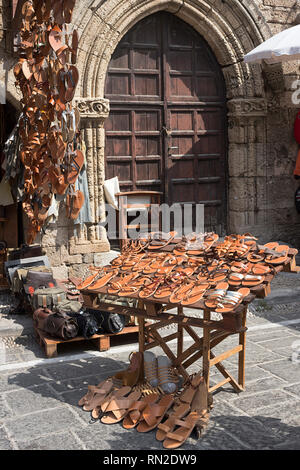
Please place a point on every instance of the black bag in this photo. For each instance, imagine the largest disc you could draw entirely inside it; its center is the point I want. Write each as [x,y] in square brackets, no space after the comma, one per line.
[87,323]
[109,322]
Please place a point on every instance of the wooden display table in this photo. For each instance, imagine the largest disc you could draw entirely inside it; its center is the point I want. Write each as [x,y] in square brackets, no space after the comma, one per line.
[214,331]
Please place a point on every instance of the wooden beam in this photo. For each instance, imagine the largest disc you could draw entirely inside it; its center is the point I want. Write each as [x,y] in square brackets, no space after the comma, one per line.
[225,355]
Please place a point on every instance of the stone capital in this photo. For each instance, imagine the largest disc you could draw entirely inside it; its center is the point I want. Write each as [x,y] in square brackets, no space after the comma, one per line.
[247,107]
[93,108]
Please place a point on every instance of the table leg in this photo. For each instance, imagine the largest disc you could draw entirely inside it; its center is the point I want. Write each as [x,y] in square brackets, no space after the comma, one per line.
[180,333]
[242,342]
[141,323]
[206,349]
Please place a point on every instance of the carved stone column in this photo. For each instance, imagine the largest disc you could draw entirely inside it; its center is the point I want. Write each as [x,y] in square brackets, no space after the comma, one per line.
[93,112]
[247,164]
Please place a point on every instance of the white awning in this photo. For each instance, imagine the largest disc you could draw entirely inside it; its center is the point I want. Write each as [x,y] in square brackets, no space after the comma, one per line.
[282,47]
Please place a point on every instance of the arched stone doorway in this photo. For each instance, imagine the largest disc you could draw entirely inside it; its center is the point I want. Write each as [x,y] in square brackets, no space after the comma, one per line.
[167,130]
[230,29]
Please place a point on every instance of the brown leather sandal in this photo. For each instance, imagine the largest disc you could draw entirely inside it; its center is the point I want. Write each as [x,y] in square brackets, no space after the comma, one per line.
[154,413]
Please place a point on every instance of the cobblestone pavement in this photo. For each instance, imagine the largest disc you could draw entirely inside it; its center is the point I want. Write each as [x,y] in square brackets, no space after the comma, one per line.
[38,397]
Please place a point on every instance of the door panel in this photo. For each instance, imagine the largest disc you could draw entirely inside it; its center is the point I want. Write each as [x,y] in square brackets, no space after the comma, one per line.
[167,126]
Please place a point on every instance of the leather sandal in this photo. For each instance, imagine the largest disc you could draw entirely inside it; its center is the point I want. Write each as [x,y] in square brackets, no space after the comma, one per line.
[103,404]
[94,394]
[184,427]
[194,294]
[118,283]
[103,280]
[117,409]
[134,413]
[154,413]
[231,300]
[180,408]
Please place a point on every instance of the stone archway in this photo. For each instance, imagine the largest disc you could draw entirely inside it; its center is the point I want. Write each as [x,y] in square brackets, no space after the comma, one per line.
[231,29]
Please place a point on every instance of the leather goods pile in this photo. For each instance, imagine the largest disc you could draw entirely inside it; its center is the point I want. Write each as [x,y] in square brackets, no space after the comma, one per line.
[196,270]
[47,76]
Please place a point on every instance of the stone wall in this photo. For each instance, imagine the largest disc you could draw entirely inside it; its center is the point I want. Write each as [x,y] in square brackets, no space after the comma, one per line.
[261,148]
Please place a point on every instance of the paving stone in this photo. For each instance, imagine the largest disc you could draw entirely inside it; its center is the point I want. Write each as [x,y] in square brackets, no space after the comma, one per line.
[264,384]
[258,336]
[288,445]
[282,420]
[4,441]
[278,343]
[251,404]
[257,354]
[294,389]
[58,441]
[23,379]
[26,401]
[5,412]
[251,433]
[84,367]
[35,425]
[285,369]
[61,386]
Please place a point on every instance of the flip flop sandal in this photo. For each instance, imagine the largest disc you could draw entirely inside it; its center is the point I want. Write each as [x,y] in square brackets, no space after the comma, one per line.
[235,279]
[74,204]
[251,281]
[150,289]
[215,297]
[75,41]
[103,280]
[188,271]
[248,239]
[117,285]
[271,245]
[157,244]
[281,249]
[62,54]
[103,404]
[118,408]
[231,300]
[217,276]
[167,289]
[180,292]
[134,413]
[89,280]
[55,38]
[165,270]
[255,258]
[27,69]
[77,162]
[68,7]
[195,294]
[260,269]
[154,413]
[95,394]
[239,267]
[72,78]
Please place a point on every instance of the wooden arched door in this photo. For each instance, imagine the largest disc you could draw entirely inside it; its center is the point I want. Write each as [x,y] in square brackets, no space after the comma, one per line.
[167,126]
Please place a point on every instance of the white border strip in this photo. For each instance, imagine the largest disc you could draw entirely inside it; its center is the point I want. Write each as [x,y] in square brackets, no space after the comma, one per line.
[118,349]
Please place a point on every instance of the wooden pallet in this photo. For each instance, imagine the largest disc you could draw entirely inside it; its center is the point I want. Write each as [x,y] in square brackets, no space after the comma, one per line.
[102,341]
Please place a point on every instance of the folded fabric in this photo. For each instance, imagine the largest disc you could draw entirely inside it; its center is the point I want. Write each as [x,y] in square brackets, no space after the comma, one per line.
[5,194]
